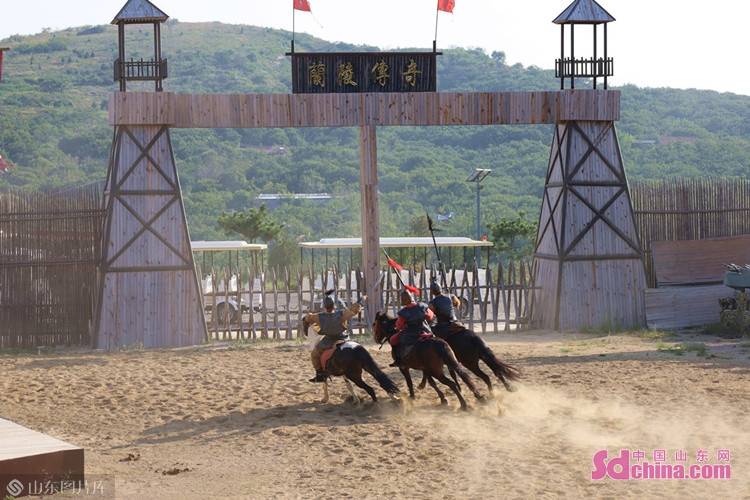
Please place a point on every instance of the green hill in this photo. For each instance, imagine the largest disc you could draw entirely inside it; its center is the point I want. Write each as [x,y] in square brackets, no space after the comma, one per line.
[53,127]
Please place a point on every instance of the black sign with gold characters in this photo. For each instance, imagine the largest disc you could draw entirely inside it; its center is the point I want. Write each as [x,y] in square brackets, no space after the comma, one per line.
[343,72]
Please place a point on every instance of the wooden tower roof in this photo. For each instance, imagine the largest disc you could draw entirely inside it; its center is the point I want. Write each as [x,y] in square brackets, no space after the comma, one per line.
[140,11]
[584,12]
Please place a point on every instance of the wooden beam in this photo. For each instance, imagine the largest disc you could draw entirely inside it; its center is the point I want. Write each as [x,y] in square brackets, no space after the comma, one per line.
[352,110]
[368,175]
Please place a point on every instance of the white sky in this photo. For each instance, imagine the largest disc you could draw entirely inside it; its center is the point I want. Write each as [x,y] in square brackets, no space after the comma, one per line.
[655,43]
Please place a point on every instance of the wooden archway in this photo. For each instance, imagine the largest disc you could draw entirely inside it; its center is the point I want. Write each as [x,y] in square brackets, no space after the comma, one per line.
[144,114]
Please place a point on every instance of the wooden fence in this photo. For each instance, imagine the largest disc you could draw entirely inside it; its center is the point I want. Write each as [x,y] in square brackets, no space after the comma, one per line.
[49,248]
[272,303]
[689,209]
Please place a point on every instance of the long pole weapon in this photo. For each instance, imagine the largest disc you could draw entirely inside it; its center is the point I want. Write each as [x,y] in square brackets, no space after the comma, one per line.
[437,251]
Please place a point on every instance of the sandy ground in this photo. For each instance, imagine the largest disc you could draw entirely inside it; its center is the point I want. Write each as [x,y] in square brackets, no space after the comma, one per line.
[242,421]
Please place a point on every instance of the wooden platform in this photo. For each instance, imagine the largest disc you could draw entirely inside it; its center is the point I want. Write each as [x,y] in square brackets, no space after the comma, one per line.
[357,110]
[28,455]
[695,262]
[675,307]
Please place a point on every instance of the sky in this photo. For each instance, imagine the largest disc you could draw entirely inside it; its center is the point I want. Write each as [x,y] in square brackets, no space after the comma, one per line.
[655,43]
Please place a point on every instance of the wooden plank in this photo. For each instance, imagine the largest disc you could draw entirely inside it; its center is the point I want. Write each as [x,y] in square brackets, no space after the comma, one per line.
[684,306]
[693,262]
[34,456]
[368,172]
[349,110]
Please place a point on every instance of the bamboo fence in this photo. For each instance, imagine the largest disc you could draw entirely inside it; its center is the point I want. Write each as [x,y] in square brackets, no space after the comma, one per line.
[49,250]
[689,209]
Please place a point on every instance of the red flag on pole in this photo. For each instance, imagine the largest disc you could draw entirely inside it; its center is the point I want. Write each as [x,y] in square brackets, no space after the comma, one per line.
[413,289]
[446,5]
[395,265]
[303,5]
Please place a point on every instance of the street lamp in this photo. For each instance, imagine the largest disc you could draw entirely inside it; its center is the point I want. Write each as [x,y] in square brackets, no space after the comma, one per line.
[478,176]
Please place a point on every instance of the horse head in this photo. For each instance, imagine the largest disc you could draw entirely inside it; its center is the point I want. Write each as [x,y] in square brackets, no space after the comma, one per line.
[384,327]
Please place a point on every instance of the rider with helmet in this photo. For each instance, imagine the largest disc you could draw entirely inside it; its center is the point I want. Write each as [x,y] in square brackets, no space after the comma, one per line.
[444,306]
[412,323]
[333,326]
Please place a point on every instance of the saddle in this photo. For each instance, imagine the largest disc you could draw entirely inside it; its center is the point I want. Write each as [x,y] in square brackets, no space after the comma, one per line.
[340,345]
[448,329]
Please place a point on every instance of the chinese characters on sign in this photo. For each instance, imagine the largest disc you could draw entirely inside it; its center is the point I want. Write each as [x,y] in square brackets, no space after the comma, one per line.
[329,72]
[346,74]
[318,75]
[380,70]
[411,73]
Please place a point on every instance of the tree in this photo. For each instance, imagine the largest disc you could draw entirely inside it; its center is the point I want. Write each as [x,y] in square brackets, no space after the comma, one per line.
[513,237]
[418,226]
[253,224]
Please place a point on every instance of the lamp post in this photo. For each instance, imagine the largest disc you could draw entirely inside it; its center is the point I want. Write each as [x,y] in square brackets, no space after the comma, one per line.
[477,177]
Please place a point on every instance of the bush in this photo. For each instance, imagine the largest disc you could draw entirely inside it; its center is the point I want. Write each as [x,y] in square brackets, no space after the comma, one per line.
[92,30]
[52,45]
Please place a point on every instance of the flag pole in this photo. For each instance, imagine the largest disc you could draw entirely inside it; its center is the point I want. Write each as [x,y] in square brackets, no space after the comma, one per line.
[437,18]
[294,19]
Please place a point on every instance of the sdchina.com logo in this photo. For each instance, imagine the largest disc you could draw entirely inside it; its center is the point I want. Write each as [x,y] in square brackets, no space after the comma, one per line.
[635,466]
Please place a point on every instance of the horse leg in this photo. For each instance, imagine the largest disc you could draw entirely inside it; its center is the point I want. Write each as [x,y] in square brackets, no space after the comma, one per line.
[357,379]
[423,383]
[474,368]
[355,398]
[454,377]
[440,394]
[325,392]
[409,383]
[446,381]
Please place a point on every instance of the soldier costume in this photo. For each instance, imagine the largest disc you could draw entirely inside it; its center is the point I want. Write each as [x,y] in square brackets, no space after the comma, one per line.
[333,327]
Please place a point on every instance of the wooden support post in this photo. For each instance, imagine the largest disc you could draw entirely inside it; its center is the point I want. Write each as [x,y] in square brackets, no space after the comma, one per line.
[149,293]
[589,269]
[368,171]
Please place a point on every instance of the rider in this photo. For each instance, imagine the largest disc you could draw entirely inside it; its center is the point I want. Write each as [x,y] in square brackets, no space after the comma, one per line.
[444,307]
[333,327]
[413,321]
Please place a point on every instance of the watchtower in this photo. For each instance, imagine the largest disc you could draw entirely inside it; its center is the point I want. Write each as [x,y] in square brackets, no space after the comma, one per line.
[149,291]
[140,12]
[587,12]
[588,259]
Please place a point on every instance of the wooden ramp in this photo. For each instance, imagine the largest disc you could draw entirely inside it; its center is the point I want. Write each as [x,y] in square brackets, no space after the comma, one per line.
[28,456]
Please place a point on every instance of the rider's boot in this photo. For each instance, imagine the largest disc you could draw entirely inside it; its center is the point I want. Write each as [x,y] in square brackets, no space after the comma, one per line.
[320,377]
[396,358]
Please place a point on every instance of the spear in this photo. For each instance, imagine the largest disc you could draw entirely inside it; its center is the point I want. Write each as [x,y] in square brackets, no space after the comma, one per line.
[437,250]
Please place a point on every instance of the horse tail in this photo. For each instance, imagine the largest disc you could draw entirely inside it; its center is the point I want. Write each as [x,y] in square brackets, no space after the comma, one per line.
[369,365]
[503,371]
[446,353]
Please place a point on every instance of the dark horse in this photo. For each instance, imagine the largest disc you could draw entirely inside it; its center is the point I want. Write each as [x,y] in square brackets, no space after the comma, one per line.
[349,360]
[470,349]
[428,356]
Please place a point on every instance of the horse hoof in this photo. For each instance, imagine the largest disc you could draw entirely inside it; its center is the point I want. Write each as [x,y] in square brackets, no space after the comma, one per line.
[464,408]
[511,388]
[444,402]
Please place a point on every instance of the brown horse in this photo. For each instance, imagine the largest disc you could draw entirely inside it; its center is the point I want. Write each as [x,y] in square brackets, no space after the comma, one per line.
[349,360]
[470,349]
[428,356]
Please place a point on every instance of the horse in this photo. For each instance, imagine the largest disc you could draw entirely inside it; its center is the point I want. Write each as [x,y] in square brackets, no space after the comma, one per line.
[348,359]
[429,356]
[470,348]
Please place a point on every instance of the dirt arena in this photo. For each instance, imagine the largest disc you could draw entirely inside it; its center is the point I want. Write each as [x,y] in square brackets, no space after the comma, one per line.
[232,421]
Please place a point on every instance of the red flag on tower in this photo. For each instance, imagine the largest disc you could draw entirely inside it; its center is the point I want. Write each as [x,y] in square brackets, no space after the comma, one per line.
[446,5]
[304,5]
